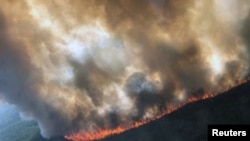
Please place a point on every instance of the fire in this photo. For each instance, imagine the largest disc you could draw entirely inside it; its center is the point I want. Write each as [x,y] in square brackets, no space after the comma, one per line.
[102,133]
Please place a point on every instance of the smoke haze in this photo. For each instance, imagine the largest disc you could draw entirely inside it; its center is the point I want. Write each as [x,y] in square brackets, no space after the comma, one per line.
[90,65]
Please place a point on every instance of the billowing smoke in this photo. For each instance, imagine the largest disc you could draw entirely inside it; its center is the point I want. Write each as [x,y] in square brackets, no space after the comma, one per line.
[98,64]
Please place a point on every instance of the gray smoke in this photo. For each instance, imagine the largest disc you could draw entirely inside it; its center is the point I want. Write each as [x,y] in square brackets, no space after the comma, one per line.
[90,65]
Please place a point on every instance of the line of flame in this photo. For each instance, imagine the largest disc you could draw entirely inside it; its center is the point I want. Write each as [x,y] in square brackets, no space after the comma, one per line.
[102,133]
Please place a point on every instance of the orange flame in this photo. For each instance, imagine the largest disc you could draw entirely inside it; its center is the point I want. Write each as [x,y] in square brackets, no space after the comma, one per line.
[102,133]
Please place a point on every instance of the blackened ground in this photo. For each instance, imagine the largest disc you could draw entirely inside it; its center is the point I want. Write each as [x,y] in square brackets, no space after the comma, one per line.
[189,123]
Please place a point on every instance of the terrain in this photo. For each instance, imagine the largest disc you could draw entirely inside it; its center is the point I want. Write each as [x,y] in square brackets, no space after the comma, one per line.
[188,123]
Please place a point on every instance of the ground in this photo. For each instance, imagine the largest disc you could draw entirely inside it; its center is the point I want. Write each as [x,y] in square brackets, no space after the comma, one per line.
[189,123]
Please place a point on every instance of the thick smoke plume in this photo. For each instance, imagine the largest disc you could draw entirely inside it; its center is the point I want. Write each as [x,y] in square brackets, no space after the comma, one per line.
[98,64]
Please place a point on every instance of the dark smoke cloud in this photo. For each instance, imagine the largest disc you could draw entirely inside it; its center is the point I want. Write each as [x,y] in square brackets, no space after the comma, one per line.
[85,65]
[245,31]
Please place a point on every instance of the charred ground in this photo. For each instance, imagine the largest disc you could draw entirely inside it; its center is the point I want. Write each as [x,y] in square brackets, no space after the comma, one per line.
[189,123]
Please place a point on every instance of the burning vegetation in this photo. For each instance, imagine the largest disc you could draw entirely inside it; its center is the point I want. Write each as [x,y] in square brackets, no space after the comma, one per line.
[90,69]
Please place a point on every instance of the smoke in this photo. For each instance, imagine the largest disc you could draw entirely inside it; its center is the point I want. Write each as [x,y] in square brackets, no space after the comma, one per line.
[90,65]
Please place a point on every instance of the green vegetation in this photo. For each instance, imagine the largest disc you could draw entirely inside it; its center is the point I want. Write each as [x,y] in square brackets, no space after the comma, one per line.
[23,131]
[19,131]
[189,123]
[13,128]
